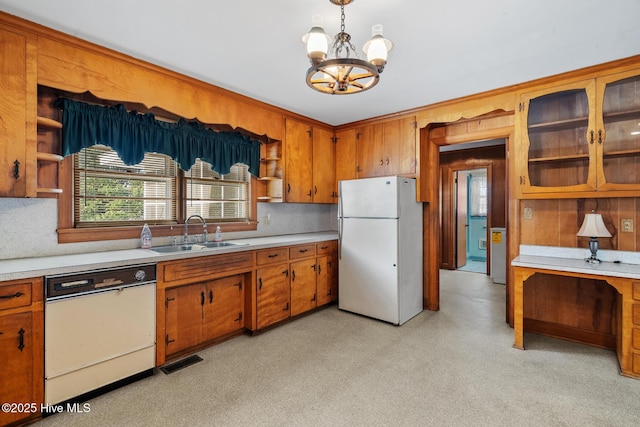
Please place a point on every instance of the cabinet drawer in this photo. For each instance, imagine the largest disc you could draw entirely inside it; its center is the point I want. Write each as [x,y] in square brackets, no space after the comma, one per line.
[636,291]
[326,247]
[635,342]
[203,268]
[15,295]
[272,255]
[636,314]
[302,251]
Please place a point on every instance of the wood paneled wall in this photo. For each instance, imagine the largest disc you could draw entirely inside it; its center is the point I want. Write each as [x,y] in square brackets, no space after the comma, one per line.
[556,222]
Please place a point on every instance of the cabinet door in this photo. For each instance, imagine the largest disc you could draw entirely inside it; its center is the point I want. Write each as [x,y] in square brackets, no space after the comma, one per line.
[618,131]
[299,155]
[370,147]
[324,166]
[400,146]
[346,162]
[327,284]
[184,317]
[303,286]
[559,143]
[17,115]
[224,306]
[16,353]
[273,303]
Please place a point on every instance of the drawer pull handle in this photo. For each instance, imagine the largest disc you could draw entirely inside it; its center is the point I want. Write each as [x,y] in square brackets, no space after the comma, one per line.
[303,250]
[272,255]
[21,339]
[16,169]
[210,296]
[16,295]
[324,247]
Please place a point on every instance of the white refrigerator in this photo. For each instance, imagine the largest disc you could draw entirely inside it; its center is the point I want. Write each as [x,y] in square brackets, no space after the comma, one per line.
[380,248]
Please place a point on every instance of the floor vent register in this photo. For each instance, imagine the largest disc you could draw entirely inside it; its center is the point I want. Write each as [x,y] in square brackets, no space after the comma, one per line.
[183,363]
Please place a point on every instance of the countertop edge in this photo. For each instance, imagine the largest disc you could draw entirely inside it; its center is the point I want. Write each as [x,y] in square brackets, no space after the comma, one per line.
[23,268]
[574,265]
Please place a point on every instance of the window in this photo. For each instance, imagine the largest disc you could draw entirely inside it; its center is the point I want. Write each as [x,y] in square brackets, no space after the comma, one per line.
[109,193]
[220,197]
[478,195]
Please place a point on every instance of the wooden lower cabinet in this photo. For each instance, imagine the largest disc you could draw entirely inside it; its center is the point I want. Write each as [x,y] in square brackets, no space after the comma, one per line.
[202,312]
[272,295]
[21,349]
[327,279]
[303,286]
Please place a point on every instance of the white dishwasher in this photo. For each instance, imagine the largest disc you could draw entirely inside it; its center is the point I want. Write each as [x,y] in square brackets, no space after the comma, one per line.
[99,329]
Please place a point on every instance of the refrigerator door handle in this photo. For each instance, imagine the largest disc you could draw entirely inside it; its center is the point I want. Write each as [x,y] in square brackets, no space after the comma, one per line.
[340,220]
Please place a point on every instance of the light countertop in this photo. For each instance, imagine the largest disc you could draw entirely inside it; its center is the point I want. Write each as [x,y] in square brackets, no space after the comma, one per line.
[22,268]
[614,263]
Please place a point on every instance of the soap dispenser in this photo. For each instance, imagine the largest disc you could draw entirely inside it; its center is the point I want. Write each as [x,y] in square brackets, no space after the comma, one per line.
[145,237]
[218,237]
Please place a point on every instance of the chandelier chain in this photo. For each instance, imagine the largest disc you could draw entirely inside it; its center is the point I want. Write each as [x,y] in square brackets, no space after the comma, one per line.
[342,16]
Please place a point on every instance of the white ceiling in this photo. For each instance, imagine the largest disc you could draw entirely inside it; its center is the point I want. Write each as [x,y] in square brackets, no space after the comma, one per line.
[443,49]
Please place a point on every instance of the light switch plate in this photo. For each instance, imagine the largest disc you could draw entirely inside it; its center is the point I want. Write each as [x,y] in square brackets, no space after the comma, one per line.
[626,225]
[528,213]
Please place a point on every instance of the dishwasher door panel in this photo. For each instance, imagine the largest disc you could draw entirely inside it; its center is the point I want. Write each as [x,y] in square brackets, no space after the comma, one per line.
[89,329]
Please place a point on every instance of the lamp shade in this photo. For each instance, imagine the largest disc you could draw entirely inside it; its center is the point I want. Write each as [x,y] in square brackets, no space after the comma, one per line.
[593,226]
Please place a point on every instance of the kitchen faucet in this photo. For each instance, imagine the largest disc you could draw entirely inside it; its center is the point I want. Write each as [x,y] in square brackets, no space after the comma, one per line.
[186,228]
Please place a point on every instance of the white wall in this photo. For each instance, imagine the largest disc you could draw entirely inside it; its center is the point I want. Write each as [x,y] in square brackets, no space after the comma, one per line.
[28,227]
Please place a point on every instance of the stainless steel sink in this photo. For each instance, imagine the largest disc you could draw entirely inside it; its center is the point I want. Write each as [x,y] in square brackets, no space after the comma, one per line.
[194,247]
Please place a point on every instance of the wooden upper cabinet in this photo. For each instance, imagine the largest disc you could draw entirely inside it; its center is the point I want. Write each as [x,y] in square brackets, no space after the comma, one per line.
[387,148]
[581,137]
[17,114]
[324,166]
[310,163]
[346,161]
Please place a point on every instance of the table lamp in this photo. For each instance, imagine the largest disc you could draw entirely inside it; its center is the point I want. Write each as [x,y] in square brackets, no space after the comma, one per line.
[593,227]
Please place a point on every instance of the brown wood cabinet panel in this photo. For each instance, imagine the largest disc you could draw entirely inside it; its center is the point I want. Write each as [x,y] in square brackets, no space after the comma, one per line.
[324,166]
[346,156]
[303,286]
[17,114]
[636,291]
[14,295]
[327,279]
[270,256]
[16,352]
[184,317]
[636,314]
[272,294]
[302,251]
[299,155]
[173,273]
[224,304]
[400,146]
[636,338]
[326,247]
[370,145]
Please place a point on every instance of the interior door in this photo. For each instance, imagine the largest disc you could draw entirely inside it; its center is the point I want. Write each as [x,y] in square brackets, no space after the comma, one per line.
[462,179]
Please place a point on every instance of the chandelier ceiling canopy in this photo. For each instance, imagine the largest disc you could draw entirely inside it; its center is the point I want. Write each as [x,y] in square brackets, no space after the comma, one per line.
[336,67]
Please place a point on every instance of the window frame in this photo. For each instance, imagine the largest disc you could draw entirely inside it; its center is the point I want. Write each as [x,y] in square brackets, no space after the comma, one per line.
[68,233]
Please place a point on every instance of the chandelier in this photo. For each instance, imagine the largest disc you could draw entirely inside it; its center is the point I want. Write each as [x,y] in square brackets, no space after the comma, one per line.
[343,72]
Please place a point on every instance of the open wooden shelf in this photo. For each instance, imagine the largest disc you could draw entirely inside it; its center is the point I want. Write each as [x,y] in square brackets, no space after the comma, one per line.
[49,157]
[559,125]
[45,122]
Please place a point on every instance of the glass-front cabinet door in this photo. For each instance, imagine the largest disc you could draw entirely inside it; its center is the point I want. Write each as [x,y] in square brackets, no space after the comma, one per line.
[556,132]
[618,133]
[582,137]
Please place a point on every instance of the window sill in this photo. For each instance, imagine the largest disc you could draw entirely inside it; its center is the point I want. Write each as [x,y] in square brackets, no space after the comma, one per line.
[78,235]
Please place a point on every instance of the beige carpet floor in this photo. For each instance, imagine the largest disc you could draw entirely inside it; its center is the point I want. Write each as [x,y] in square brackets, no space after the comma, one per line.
[455,367]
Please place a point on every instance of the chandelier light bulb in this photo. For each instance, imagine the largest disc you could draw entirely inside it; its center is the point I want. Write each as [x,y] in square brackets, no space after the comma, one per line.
[316,41]
[377,48]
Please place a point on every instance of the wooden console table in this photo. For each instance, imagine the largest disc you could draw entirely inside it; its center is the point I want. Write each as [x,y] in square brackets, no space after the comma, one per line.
[625,278]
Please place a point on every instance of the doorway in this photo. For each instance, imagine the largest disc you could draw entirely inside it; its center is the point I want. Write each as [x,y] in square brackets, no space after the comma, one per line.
[470,216]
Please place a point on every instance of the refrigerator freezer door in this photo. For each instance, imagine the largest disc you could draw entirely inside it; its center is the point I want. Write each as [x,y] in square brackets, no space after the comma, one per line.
[369,198]
[368,268]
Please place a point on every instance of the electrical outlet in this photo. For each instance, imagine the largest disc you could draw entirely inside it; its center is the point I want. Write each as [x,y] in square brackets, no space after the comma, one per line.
[626,225]
[528,213]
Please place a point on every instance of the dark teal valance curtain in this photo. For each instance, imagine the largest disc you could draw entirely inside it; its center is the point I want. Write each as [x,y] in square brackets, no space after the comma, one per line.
[131,135]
